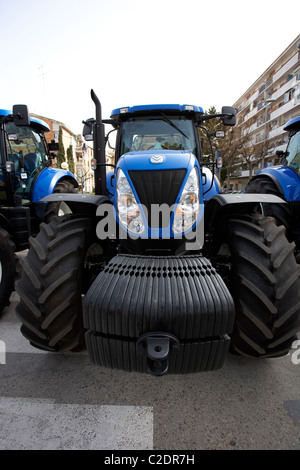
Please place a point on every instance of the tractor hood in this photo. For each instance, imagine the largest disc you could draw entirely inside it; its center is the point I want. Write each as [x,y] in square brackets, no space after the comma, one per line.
[150,179]
[157,160]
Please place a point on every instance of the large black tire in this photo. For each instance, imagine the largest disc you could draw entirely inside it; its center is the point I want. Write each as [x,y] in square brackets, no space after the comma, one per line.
[280,212]
[7,268]
[51,285]
[265,284]
[54,209]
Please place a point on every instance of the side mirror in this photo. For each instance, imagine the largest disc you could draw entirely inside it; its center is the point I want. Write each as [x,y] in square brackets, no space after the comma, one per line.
[230,116]
[21,115]
[53,145]
[88,129]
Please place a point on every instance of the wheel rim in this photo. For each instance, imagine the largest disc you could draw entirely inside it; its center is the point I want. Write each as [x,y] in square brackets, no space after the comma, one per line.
[63,209]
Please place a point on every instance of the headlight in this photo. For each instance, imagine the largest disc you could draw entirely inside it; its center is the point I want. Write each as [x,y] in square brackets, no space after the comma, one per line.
[188,208]
[128,210]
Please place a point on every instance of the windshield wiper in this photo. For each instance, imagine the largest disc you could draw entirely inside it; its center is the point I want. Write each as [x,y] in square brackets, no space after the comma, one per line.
[166,119]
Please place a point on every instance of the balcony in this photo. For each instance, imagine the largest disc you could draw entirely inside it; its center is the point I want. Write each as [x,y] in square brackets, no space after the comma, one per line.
[276,132]
[251,99]
[284,70]
[286,87]
[283,109]
[250,115]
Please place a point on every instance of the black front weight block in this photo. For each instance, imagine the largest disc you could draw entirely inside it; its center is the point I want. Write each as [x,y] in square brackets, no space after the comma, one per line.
[158,315]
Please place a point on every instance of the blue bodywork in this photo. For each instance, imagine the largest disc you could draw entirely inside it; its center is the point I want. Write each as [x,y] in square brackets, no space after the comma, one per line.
[284,177]
[142,160]
[292,124]
[143,109]
[286,180]
[47,180]
[172,160]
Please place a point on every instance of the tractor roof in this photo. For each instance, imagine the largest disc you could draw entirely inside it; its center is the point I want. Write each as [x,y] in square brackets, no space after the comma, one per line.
[292,124]
[153,108]
[37,124]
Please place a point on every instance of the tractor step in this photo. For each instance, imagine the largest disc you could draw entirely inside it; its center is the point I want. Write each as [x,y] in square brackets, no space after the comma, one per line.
[19,217]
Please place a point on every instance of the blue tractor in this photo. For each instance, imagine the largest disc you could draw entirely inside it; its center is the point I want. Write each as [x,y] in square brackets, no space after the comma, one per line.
[25,178]
[284,181]
[159,271]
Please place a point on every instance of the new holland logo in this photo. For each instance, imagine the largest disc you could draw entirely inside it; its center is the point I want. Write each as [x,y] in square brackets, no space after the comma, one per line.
[156,159]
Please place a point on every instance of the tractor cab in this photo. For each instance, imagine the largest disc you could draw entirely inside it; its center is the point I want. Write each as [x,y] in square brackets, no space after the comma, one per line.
[24,155]
[292,153]
[27,151]
[157,127]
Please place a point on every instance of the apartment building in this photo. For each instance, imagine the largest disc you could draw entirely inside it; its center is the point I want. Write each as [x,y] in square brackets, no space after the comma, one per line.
[263,110]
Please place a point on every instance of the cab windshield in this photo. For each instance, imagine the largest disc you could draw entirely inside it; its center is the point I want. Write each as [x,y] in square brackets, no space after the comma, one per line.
[293,152]
[27,150]
[25,147]
[157,133]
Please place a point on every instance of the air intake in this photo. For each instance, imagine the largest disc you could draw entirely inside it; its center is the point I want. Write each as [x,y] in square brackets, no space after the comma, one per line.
[157,187]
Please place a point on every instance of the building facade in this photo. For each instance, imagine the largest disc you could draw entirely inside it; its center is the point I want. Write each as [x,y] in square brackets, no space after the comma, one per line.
[84,172]
[264,109]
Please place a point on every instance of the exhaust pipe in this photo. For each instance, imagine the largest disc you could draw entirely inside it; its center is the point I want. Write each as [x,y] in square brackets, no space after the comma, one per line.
[99,148]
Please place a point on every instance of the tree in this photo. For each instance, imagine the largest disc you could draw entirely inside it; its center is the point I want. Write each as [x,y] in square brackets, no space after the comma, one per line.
[211,125]
[231,147]
[82,176]
[70,159]
[60,158]
[254,153]
[238,148]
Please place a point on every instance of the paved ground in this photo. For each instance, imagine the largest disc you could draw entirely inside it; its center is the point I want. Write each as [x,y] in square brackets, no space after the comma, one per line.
[50,401]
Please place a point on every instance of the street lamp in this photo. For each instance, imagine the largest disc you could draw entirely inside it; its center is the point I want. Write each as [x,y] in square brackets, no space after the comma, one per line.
[265,131]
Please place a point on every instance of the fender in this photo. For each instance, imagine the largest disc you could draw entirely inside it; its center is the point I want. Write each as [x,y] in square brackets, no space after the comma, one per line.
[47,180]
[243,203]
[86,203]
[286,180]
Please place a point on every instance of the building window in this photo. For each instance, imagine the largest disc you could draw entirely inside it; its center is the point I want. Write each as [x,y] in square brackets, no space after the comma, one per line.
[288,95]
[261,89]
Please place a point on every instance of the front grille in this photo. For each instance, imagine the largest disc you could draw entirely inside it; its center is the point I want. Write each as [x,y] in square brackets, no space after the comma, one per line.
[157,187]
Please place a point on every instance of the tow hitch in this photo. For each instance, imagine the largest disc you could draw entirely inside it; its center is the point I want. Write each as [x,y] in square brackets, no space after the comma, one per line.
[157,345]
